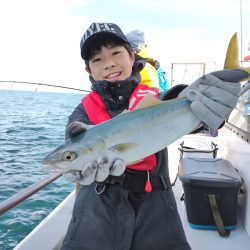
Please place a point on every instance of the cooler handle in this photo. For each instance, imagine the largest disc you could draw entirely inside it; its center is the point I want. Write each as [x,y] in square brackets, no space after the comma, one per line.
[217,216]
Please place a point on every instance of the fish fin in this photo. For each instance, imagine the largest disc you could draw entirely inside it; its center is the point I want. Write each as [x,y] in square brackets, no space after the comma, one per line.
[123,147]
[148,101]
[134,162]
[232,56]
[124,112]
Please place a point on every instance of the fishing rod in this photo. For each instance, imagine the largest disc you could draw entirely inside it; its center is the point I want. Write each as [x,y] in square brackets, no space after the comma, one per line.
[26,193]
[45,84]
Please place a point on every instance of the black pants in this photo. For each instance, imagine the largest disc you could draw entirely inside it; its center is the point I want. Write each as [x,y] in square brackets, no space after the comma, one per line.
[120,220]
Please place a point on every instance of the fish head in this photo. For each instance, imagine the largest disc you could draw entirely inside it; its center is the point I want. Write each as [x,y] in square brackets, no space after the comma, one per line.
[73,155]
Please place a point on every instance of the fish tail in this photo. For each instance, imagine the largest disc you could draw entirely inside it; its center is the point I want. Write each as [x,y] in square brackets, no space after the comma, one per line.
[232,56]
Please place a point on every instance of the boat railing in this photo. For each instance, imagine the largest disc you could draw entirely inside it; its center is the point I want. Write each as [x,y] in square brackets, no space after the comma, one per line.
[187,72]
[245,88]
[26,193]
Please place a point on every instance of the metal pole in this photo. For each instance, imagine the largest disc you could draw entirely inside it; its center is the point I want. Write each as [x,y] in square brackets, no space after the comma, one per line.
[172,68]
[26,193]
[241,33]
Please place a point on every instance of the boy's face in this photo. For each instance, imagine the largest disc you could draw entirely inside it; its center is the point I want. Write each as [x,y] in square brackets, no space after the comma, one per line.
[112,63]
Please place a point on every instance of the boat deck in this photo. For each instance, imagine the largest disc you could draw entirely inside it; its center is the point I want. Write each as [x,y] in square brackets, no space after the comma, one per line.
[234,149]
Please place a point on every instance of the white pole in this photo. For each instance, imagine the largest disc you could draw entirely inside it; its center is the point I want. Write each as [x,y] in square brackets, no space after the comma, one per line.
[241,33]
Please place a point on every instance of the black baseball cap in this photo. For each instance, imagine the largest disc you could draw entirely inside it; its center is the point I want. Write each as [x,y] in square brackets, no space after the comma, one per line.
[98,31]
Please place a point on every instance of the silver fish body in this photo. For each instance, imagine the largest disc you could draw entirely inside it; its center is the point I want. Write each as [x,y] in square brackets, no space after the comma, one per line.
[131,136]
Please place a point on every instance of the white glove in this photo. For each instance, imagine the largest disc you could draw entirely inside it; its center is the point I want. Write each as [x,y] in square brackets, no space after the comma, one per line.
[97,171]
[215,95]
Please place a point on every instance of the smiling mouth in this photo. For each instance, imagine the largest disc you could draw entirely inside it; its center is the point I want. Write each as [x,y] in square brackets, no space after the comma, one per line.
[113,76]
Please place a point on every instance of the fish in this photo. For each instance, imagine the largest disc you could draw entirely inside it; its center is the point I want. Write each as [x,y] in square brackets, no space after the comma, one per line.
[134,135]
[130,136]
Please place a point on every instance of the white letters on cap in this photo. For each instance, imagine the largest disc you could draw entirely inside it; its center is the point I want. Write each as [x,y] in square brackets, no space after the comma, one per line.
[97,27]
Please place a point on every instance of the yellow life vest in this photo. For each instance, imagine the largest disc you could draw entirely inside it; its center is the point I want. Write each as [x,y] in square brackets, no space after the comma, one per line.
[149,75]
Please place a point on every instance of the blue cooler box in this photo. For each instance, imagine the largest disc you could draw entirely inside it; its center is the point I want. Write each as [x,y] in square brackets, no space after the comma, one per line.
[202,177]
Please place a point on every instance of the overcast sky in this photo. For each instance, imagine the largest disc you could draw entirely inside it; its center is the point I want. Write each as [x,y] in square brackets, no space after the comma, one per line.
[40,39]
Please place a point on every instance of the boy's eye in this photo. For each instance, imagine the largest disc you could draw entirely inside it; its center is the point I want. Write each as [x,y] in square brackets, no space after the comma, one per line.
[96,60]
[116,53]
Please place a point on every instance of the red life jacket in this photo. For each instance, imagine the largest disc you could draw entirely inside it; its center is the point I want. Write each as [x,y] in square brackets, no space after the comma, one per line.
[97,113]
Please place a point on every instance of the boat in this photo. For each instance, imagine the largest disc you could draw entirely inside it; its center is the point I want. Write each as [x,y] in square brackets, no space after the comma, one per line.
[233,142]
[50,232]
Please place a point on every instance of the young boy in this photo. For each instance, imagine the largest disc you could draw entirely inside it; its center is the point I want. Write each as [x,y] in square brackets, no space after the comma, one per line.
[114,208]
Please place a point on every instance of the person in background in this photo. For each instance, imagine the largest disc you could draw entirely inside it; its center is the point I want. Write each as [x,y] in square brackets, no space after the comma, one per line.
[152,68]
[115,207]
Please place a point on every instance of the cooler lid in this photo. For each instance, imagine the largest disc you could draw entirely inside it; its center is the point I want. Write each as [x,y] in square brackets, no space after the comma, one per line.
[211,172]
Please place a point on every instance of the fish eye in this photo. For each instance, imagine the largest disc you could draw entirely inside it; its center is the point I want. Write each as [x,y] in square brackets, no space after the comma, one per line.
[69,156]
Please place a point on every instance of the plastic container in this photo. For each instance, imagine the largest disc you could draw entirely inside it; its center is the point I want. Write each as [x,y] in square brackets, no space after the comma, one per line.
[203,176]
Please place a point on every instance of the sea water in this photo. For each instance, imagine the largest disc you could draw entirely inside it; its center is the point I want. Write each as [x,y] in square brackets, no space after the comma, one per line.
[32,124]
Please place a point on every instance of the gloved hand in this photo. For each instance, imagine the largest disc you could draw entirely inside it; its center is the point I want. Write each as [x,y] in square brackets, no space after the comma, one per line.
[76,128]
[215,95]
[97,171]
